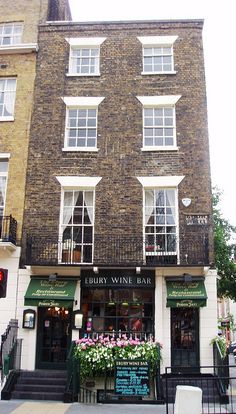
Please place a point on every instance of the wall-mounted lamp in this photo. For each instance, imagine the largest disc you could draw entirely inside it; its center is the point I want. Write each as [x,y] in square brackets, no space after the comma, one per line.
[29,316]
[138,270]
[53,277]
[187,278]
[78,319]
[95,269]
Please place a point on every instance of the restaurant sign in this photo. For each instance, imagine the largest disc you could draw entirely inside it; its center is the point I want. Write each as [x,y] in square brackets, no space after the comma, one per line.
[117,280]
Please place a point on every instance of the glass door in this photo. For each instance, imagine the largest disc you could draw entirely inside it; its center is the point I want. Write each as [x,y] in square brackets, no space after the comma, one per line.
[54,337]
[185,340]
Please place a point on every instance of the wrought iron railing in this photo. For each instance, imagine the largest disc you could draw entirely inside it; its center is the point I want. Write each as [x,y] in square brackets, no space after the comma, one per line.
[10,351]
[113,250]
[221,364]
[73,380]
[8,229]
[213,400]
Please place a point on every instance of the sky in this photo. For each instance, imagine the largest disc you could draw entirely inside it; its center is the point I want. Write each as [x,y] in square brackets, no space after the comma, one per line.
[219,35]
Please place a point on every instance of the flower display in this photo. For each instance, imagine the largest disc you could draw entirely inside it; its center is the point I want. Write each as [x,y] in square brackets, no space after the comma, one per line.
[222,344]
[97,356]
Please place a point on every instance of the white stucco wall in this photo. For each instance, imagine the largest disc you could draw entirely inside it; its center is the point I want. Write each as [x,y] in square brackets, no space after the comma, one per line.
[9,260]
[207,319]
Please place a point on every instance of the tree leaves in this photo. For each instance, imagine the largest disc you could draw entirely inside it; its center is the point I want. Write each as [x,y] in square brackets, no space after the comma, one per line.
[224,251]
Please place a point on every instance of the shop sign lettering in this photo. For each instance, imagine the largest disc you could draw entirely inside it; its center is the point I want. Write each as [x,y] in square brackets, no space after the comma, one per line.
[112,281]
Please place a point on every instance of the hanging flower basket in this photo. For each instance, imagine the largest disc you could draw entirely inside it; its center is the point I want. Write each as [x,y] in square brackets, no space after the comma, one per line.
[98,356]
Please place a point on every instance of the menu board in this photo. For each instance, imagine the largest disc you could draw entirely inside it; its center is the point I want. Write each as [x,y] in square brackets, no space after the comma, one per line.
[132,378]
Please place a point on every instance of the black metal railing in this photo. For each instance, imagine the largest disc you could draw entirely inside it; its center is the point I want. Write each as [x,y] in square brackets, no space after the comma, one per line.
[10,351]
[73,380]
[8,229]
[221,364]
[213,401]
[116,250]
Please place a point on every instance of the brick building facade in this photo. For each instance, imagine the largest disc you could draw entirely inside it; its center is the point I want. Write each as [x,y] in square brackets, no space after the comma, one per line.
[118,193]
[18,51]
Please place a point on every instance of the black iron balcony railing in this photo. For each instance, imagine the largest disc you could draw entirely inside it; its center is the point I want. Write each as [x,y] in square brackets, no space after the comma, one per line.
[8,228]
[116,250]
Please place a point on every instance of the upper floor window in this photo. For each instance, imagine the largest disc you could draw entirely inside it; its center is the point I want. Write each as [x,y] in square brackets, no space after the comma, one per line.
[159,127]
[160,216]
[77,218]
[7,98]
[158,54]
[81,123]
[10,33]
[3,185]
[85,56]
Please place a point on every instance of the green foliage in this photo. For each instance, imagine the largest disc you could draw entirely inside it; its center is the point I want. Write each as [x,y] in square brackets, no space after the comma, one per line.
[222,344]
[224,251]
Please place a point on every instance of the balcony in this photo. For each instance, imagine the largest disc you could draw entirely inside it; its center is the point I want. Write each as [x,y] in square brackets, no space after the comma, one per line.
[8,229]
[116,250]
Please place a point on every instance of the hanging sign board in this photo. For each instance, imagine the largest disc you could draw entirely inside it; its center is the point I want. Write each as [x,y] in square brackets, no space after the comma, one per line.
[132,378]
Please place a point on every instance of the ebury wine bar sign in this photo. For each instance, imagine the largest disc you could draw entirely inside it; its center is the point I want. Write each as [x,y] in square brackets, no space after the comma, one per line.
[117,278]
[132,378]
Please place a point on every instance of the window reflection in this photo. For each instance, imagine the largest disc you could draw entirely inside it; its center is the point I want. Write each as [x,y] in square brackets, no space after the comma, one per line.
[117,311]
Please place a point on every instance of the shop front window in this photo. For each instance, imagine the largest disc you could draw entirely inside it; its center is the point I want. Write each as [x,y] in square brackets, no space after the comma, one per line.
[120,311]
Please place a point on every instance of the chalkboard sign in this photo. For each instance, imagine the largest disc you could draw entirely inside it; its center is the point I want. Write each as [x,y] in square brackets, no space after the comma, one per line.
[132,378]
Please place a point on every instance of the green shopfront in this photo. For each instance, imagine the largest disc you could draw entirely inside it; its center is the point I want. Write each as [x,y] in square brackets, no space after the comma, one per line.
[184,300]
[54,300]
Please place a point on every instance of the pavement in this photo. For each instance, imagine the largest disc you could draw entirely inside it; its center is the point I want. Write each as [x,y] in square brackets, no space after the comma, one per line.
[31,407]
[52,407]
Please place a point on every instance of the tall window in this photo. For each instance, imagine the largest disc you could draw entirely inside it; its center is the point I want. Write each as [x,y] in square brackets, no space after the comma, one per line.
[159,124]
[85,56]
[77,223]
[3,182]
[81,128]
[160,220]
[158,54]
[159,127]
[10,33]
[7,98]
[81,123]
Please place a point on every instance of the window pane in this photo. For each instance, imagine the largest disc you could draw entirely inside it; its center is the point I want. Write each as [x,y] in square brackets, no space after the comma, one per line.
[77,216]
[3,166]
[147,51]
[71,142]
[160,198]
[91,142]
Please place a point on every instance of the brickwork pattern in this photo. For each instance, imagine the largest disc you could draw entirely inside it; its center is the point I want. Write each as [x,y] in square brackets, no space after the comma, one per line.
[119,161]
[14,136]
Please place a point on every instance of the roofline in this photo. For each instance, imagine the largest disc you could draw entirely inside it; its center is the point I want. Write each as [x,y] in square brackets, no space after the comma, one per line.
[117,22]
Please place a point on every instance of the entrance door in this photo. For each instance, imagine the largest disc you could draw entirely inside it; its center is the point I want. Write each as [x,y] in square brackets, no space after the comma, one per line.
[185,340]
[54,337]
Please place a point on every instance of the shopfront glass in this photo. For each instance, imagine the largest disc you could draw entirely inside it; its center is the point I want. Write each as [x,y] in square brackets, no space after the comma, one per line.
[185,339]
[118,311]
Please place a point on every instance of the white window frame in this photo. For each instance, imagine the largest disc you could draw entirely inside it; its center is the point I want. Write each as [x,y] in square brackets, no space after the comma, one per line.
[4,158]
[155,102]
[8,117]
[76,183]
[159,183]
[162,42]
[85,43]
[11,36]
[80,103]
